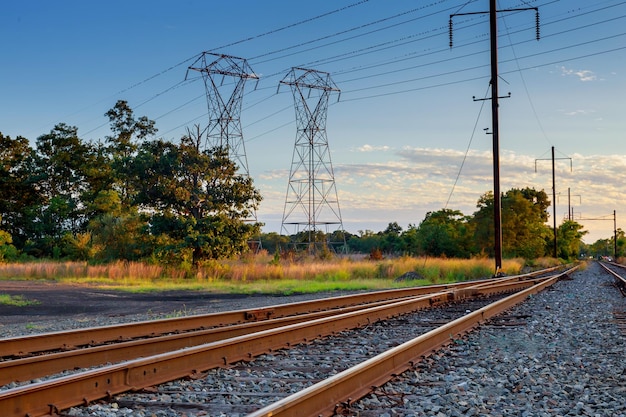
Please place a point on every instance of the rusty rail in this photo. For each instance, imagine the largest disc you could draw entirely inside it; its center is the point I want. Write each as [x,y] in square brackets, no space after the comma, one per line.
[48,397]
[323,398]
[70,339]
[29,368]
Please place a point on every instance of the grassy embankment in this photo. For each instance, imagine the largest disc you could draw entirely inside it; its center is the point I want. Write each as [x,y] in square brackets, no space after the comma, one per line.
[258,274]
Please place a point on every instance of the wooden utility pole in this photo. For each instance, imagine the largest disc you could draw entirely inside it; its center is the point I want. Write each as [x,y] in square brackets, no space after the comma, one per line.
[497,197]
[555,244]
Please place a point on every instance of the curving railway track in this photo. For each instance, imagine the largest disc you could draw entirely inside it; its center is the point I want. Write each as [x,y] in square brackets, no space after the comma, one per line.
[144,355]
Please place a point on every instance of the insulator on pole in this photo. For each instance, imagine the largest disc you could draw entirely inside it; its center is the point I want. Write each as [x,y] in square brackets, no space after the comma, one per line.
[537,26]
[450,30]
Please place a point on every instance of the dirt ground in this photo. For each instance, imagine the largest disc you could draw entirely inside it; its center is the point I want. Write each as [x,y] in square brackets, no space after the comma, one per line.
[67,302]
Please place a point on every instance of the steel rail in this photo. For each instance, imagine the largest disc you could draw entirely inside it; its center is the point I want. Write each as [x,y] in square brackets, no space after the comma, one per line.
[70,339]
[29,368]
[620,281]
[63,340]
[326,397]
[26,369]
[48,397]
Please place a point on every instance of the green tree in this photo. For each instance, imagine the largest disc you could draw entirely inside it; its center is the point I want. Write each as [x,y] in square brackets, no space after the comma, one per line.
[58,164]
[195,201]
[621,243]
[18,188]
[411,241]
[444,233]
[524,232]
[99,176]
[569,239]
[274,242]
[121,236]
[601,247]
[482,222]
[391,241]
[128,132]
[61,157]
[366,242]
[8,252]
[115,233]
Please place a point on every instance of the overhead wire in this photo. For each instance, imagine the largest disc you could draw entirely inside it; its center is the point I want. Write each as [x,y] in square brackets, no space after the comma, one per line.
[292,25]
[465,69]
[517,59]
[469,145]
[560,49]
[379,74]
[525,86]
[183,62]
[352,29]
[431,63]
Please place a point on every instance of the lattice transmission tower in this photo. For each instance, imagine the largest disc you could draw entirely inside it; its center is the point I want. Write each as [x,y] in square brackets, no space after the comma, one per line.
[224,101]
[311,204]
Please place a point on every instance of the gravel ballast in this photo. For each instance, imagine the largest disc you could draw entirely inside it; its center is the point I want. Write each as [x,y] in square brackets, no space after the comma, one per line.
[568,359]
[565,356]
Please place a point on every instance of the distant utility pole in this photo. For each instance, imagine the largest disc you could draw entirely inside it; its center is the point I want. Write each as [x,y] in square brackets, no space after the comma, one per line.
[614,236]
[614,230]
[497,198]
[554,195]
[311,199]
[570,208]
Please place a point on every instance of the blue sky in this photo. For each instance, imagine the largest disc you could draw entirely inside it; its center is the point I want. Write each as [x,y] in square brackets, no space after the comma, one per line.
[405,121]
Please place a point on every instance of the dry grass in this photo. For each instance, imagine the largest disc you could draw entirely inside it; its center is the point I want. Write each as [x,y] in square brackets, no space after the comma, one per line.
[260,274]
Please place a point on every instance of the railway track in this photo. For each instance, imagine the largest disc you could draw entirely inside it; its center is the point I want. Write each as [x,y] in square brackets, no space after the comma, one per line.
[265,335]
[17,347]
[619,273]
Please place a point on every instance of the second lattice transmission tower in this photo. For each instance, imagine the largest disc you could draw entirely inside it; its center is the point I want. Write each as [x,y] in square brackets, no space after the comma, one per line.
[311,214]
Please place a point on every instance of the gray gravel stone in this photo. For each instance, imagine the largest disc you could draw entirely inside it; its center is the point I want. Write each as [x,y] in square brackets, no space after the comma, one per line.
[569,359]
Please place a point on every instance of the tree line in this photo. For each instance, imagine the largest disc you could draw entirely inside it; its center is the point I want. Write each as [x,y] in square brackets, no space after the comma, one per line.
[450,233]
[123,198]
[127,197]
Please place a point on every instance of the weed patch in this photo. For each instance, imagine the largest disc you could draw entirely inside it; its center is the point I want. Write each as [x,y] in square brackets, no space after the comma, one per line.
[16,300]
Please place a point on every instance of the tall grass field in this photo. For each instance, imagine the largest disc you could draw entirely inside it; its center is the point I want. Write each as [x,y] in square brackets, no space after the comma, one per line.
[262,274]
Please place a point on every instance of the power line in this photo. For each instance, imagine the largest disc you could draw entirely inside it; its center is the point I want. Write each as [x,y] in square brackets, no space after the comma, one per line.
[458,175]
[425,54]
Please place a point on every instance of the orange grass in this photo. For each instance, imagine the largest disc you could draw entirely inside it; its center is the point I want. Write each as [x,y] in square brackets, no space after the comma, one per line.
[260,268]
[56,271]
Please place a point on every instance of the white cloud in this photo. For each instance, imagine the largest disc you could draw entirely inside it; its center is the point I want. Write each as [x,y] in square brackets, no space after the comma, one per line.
[577,112]
[404,185]
[370,148]
[583,75]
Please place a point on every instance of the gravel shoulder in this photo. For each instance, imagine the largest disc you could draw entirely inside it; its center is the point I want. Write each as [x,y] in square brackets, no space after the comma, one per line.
[62,307]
